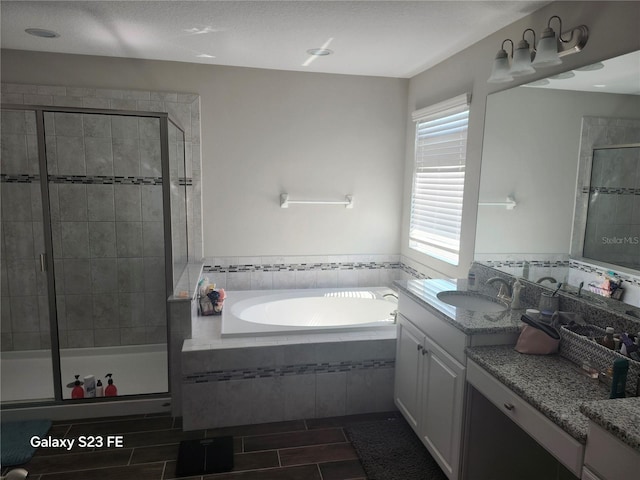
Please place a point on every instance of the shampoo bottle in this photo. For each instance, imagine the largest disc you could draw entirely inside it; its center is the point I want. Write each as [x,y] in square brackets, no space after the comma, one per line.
[78,391]
[471,279]
[99,389]
[111,390]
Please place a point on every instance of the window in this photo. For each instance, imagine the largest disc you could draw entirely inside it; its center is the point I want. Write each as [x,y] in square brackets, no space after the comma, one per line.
[438,178]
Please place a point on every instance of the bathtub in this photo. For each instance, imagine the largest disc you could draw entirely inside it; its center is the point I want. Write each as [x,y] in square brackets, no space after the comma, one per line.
[301,311]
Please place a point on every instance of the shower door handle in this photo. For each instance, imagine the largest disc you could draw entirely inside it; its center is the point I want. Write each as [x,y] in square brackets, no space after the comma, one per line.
[43,262]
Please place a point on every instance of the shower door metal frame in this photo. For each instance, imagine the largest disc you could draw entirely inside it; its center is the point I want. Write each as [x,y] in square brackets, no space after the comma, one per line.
[164,118]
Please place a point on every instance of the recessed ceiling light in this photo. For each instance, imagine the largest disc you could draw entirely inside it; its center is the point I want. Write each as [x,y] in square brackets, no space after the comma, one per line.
[41,32]
[599,85]
[205,55]
[319,52]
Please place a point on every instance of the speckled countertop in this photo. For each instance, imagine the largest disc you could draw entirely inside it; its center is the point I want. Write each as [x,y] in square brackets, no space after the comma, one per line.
[557,388]
[620,417]
[471,323]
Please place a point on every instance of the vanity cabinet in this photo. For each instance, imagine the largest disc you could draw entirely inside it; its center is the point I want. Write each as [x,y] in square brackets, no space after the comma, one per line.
[429,383]
[607,458]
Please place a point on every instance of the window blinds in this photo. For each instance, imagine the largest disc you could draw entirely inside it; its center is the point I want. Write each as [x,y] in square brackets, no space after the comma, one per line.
[438,178]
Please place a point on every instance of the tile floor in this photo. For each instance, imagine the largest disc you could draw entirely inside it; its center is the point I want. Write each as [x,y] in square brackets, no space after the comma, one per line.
[316,449]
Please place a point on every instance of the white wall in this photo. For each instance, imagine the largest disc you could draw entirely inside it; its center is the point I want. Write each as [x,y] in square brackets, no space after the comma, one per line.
[613,31]
[531,149]
[265,132]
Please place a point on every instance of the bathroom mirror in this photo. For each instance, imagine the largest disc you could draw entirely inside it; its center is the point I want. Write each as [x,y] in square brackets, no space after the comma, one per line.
[538,149]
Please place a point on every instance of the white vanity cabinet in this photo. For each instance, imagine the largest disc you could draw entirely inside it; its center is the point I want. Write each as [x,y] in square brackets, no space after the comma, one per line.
[430,382]
[607,458]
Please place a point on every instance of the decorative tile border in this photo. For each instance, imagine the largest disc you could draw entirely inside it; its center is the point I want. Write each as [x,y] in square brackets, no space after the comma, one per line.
[611,190]
[19,178]
[602,272]
[531,263]
[287,370]
[104,180]
[296,267]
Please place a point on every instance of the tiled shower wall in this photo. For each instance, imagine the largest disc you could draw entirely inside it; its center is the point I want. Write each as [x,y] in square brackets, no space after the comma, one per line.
[107,217]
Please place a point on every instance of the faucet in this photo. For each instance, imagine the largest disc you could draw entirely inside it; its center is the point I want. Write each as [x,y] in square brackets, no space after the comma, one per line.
[542,279]
[505,289]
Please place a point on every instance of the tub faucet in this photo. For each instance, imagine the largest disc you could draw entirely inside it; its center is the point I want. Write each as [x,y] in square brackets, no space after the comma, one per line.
[505,289]
[542,279]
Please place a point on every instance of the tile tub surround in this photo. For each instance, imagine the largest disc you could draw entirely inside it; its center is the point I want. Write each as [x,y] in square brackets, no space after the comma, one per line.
[267,379]
[620,417]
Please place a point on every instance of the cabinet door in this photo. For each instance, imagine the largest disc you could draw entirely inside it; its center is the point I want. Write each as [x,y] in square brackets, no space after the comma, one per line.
[410,342]
[442,397]
[589,475]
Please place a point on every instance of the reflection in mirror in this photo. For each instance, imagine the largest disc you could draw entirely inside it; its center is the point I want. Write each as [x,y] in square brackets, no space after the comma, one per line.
[539,148]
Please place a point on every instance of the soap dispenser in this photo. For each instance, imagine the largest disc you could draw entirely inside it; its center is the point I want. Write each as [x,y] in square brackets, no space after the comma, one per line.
[515,297]
[111,390]
[78,391]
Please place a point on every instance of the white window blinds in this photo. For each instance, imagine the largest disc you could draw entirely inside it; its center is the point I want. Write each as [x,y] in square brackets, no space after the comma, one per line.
[438,178]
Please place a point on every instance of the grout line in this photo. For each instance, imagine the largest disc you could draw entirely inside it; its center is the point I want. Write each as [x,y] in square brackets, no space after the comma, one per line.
[319,471]
[279,460]
[130,457]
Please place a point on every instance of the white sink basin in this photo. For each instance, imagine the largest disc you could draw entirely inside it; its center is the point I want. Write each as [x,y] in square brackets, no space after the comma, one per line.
[472,301]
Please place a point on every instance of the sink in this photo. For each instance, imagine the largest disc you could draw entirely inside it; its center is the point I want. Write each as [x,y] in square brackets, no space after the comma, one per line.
[475,302]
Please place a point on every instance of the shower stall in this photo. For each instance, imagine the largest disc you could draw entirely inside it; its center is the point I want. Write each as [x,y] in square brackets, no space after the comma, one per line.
[94,237]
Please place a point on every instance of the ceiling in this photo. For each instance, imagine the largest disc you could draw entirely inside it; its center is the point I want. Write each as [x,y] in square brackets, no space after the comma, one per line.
[379,38]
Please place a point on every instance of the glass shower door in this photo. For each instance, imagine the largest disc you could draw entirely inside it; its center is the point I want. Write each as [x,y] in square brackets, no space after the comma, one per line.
[105,190]
[26,364]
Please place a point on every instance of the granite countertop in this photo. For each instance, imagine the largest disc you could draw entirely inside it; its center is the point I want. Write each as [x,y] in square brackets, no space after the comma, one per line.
[557,388]
[620,417]
[471,323]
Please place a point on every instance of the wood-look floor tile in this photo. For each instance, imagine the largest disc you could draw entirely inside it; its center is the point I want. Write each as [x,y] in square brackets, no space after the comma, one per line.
[293,439]
[156,453]
[255,460]
[304,472]
[342,470]
[160,437]
[78,461]
[317,454]
[258,429]
[121,427]
[346,420]
[147,471]
[170,473]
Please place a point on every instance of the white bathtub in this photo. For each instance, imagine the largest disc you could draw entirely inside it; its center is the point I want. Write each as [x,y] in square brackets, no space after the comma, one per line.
[264,312]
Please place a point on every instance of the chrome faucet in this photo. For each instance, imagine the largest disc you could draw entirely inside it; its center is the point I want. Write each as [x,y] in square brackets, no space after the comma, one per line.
[542,279]
[505,289]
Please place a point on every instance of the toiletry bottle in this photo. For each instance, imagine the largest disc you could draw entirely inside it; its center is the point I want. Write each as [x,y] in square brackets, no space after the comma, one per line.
[99,389]
[619,382]
[607,340]
[78,391]
[515,298]
[90,386]
[111,390]
[471,279]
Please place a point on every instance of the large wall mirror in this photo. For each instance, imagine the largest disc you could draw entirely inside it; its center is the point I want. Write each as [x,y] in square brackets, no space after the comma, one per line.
[567,150]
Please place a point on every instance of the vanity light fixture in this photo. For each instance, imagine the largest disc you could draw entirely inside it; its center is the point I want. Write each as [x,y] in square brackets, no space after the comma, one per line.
[545,53]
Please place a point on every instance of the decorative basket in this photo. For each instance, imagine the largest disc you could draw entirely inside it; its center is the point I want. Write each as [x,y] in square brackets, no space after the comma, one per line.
[577,345]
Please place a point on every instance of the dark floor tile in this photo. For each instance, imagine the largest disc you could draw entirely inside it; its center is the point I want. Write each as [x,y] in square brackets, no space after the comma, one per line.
[293,439]
[258,429]
[342,470]
[253,461]
[160,437]
[347,420]
[304,472]
[121,427]
[99,419]
[148,471]
[78,461]
[317,454]
[157,453]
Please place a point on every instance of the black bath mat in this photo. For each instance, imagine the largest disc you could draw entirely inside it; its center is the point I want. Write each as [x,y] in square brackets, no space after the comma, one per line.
[390,450]
[15,440]
[211,455]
